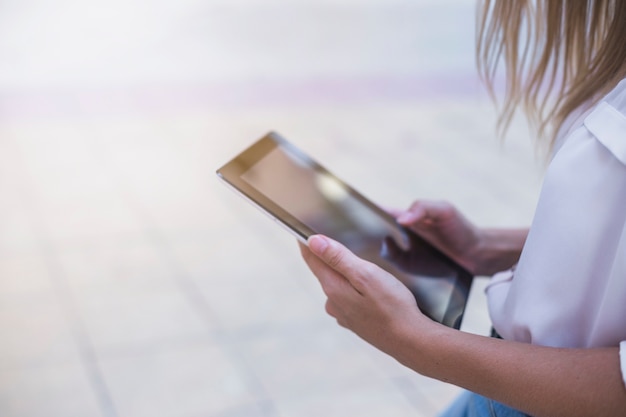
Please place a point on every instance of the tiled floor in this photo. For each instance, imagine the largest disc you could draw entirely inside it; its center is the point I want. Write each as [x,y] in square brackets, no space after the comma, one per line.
[133,283]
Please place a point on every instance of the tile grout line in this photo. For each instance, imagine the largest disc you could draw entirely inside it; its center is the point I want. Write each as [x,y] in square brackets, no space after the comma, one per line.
[64,296]
[79,331]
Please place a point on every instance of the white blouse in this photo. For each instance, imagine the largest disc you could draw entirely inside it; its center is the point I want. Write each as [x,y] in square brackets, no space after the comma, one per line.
[569,287]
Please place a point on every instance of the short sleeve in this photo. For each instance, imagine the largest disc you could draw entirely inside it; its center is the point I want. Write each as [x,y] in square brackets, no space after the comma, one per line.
[608,126]
[622,359]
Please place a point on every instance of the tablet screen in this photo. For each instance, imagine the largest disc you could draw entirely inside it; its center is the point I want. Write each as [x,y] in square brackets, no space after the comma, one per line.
[308,199]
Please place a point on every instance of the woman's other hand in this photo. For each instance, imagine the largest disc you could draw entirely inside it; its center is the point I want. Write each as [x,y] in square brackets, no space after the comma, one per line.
[480,251]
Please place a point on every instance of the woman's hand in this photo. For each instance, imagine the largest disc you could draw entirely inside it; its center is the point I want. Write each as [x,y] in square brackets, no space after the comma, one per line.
[480,251]
[361,296]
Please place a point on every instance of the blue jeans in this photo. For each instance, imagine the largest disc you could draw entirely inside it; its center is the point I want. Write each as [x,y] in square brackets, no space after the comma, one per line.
[469,404]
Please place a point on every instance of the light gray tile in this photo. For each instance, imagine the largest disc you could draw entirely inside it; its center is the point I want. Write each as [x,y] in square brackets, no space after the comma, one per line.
[34,331]
[17,231]
[158,175]
[248,306]
[200,379]
[130,261]
[263,408]
[128,296]
[119,318]
[23,273]
[317,358]
[75,195]
[52,390]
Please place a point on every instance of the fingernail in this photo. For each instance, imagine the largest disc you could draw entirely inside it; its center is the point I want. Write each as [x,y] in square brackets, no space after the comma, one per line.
[317,244]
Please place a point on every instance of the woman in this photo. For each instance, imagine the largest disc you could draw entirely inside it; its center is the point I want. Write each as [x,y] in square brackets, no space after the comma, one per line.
[560,305]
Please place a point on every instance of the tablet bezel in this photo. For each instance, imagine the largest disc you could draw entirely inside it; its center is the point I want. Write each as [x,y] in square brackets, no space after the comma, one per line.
[231,173]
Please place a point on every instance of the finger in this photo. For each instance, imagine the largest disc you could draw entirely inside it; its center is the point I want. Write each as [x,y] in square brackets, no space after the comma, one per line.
[425,211]
[331,308]
[342,260]
[415,213]
[333,283]
[334,311]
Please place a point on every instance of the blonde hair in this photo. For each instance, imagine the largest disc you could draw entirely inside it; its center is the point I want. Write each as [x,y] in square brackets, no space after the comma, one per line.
[559,56]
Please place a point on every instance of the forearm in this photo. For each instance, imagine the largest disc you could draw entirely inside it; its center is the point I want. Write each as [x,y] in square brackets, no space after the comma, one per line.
[498,249]
[541,381]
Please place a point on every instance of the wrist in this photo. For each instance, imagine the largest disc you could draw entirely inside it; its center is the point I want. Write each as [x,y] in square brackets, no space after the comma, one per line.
[414,341]
[497,250]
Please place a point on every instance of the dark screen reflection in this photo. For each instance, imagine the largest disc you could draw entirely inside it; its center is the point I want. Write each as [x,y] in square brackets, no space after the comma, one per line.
[325,205]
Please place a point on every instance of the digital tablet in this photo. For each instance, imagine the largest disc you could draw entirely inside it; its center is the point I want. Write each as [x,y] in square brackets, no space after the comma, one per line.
[307,199]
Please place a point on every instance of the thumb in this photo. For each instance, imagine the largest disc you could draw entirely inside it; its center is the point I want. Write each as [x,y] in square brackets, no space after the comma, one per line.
[341,259]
